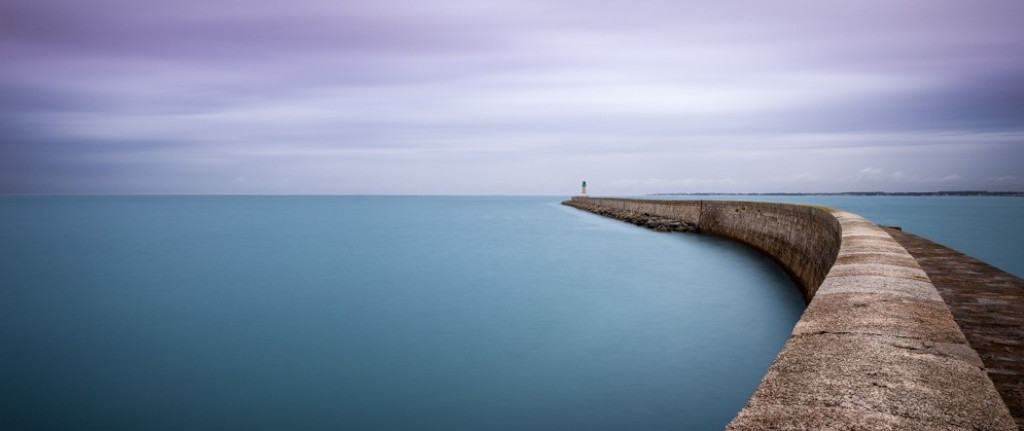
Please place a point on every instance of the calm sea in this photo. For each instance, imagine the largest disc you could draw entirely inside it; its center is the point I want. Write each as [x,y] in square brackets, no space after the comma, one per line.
[382,313]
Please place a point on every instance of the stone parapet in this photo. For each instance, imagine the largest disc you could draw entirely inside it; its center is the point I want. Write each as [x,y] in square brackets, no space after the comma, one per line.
[877,348]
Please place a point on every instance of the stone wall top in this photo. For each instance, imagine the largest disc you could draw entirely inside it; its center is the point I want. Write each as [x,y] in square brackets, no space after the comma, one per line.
[877,348]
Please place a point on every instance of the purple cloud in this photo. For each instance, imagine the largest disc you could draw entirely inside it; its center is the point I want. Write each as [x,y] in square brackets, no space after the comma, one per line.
[411,97]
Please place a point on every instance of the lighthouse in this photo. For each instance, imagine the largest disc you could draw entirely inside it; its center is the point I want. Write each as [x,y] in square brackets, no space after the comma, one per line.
[584,192]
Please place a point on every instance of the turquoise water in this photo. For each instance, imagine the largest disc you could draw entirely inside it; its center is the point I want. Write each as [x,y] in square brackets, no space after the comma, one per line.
[373,313]
[988,228]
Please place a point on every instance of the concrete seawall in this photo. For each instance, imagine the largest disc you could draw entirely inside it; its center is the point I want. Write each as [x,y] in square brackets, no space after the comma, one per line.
[877,348]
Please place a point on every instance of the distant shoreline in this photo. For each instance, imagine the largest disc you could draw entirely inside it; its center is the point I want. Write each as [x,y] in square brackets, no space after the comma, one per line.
[940,193]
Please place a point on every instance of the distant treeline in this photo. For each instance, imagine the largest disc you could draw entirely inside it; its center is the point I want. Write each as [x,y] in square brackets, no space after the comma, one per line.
[939,193]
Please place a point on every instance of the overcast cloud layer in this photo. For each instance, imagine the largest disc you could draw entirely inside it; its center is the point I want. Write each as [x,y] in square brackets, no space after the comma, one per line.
[510,97]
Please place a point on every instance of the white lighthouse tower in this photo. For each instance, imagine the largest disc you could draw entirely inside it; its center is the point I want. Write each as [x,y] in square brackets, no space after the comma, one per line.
[584,192]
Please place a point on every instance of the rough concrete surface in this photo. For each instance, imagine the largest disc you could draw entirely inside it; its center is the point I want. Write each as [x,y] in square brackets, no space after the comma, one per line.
[877,348]
[988,304]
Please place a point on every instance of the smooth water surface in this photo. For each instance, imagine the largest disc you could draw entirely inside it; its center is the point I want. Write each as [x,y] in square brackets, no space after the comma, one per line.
[373,313]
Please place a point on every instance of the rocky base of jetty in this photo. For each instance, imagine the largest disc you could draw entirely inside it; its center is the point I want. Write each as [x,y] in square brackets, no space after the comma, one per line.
[658,223]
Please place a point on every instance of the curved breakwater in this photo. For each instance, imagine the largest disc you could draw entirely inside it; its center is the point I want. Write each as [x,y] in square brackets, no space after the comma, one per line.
[877,348]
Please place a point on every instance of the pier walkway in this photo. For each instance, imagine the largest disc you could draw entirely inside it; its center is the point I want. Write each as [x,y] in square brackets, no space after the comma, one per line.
[987,303]
[899,332]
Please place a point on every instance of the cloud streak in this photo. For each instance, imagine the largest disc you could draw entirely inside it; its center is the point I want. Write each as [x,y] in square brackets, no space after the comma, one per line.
[508,97]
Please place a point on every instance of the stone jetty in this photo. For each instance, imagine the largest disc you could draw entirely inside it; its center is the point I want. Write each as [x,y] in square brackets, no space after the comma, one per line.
[878,347]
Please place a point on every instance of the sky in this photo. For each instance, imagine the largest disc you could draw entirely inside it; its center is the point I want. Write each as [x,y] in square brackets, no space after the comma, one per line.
[510,96]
